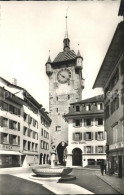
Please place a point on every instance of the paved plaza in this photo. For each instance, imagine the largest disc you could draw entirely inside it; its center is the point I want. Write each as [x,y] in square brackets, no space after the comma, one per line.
[19,181]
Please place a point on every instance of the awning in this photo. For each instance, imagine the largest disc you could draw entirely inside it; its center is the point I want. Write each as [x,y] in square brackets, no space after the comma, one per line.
[10,152]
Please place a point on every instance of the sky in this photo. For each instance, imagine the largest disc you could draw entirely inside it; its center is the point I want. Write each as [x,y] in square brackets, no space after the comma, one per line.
[29,29]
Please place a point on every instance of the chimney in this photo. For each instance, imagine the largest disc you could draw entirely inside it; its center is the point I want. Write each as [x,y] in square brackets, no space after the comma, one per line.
[14,81]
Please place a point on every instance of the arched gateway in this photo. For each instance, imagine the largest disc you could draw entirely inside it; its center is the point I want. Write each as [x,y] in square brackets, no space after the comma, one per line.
[77,157]
[60,151]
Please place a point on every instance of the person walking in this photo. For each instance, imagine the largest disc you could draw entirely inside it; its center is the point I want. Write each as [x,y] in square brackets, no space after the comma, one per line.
[102,167]
[105,163]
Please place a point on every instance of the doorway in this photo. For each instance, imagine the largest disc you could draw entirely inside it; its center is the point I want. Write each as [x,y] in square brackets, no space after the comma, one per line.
[120,167]
[41,158]
[77,157]
[60,151]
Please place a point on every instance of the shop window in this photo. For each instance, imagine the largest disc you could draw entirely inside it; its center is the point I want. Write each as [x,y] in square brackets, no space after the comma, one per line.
[77,136]
[91,161]
[100,161]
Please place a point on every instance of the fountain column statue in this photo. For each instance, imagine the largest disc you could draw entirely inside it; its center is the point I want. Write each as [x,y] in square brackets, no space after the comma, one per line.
[53,153]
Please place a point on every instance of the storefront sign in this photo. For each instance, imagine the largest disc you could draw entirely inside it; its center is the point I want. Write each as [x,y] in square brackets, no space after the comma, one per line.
[117,145]
[78,142]
[8,147]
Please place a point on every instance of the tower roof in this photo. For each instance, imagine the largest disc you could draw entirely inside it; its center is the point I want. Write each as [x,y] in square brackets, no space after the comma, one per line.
[79,55]
[121,9]
[49,60]
[65,56]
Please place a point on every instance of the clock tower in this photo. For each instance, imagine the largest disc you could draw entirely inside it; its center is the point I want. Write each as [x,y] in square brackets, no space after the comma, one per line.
[65,87]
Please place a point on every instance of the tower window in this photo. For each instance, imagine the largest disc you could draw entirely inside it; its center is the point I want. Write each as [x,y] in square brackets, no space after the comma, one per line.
[68,97]
[56,109]
[58,128]
[57,98]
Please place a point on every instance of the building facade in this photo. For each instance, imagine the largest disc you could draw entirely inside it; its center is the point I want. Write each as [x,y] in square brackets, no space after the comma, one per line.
[20,128]
[86,136]
[111,79]
[65,86]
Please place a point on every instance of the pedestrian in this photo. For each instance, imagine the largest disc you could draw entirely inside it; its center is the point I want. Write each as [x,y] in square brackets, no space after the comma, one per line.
[102,167]
[105,165]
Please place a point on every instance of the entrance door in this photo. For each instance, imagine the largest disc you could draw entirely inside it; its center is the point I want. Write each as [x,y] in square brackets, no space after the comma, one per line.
[77,157]
[41,158]
[120,167]
[60,151]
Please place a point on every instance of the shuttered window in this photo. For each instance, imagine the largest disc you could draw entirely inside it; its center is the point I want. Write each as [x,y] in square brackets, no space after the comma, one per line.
[1,121]
[88,136]
[77,136]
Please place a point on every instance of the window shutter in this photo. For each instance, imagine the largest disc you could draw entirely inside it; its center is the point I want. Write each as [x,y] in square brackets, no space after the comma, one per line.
[96,135]
[92,135]
[74,136]
[84,136]
[10,139]
[1,121]
[96,121]
[96,149]
[10,124]
[80,136]
[80,122]
[85,122]
[104,149]
[84,149]
[73,123]
[19,140]
[28,118]
[104,135]
[18,126]
[1,138]
[91,149]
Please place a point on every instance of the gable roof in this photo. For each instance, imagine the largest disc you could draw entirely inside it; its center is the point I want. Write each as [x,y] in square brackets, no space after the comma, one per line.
[98,98]
[113,54]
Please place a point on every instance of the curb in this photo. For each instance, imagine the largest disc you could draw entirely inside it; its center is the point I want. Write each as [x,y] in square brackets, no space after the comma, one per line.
[116,189]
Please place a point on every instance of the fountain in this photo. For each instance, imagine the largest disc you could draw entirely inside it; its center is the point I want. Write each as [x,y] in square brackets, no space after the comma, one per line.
[53,171]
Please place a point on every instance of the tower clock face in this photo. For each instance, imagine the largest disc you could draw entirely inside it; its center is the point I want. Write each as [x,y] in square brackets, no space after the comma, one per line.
[63,76]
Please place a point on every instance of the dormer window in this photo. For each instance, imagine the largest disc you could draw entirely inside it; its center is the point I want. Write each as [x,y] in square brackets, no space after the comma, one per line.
[88,107]
[77,108]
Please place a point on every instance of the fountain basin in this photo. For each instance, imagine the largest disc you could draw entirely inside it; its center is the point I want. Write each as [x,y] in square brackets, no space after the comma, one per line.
[52,171]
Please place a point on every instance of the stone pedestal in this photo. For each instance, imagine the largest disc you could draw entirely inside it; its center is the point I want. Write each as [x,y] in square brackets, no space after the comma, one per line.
[69,160]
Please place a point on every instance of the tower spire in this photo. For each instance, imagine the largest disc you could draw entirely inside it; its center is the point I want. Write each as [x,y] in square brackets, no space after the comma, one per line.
[66,39]
[66,29]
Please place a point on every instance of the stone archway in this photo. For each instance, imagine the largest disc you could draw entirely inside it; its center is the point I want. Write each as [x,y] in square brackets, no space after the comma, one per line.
[60,151]
[77,157]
